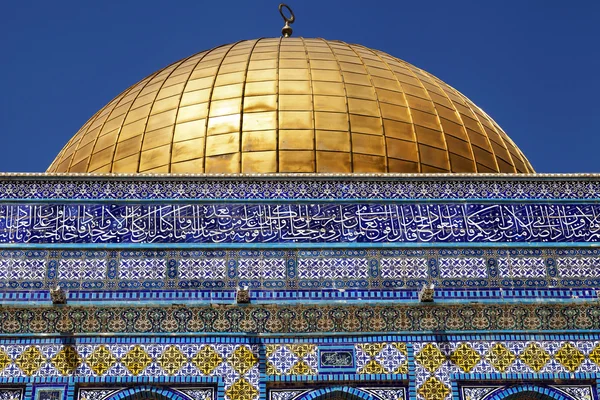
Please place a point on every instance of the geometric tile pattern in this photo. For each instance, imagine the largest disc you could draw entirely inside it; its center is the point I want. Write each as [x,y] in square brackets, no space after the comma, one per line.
[333,268]
[198,268]
[67,360]
[23,269]
[81,269]
[521,267]
[95,394]
[388,393]
[370,358]
[286,394]
[100,360]
[171,360]
[477,393]
[136,360]
[207,359]
[237,364]
[291,359]
[408,267]
[381,358]
[11,394]
[579,392]
[301,187]
[500,357]
[433,389]
[464,357]
[198,393]
[389,269]
[264,268]
[578,267]
[534,356]
[30,360]
[435,362]
[146,269]
[462,267]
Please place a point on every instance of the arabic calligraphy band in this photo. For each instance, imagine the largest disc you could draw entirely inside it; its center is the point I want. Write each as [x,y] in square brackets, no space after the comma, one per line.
[298,223]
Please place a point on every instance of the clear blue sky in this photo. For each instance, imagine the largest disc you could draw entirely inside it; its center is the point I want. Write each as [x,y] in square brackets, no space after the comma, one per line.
[533,65]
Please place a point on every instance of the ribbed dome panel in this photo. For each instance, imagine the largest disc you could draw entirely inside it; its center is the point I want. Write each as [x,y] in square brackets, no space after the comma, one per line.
[290,105]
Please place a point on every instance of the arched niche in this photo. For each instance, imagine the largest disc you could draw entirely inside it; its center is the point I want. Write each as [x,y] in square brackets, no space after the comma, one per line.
[147,392]
[529,392]
[337,393]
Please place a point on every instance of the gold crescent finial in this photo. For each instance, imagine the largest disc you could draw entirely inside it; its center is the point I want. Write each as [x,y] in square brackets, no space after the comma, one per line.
[286,31]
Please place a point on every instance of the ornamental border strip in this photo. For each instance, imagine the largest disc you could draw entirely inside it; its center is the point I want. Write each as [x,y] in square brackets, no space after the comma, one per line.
[301,319]
[283,275]
[350,339]
[299,187]
[227,297]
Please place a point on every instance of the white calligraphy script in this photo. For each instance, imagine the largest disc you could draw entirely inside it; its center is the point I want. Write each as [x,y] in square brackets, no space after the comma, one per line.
[298,223]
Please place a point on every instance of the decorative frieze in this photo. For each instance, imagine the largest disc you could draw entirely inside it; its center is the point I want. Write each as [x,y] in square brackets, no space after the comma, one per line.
[322,274]
[297,223]
[309,318]
[301,187]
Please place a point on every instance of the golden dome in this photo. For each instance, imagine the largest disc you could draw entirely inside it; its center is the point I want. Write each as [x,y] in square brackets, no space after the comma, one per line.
[290,105]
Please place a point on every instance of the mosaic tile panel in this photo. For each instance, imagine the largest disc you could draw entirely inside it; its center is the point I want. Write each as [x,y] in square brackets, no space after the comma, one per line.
[198,393]
[452,186]
[370,358]
[373,270]
[11,394]
[28,269]
[382,358]
[462,267]
[96,394]
[478,392]
[261,268]
[578,267]
[522,267]
[389,393]
[436,362]
[292,223]
[142,269]
[579,392]
[236,364]
[81,269]
[403,268]
[286,394]
[292,359]
[333,268]
[207,269]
